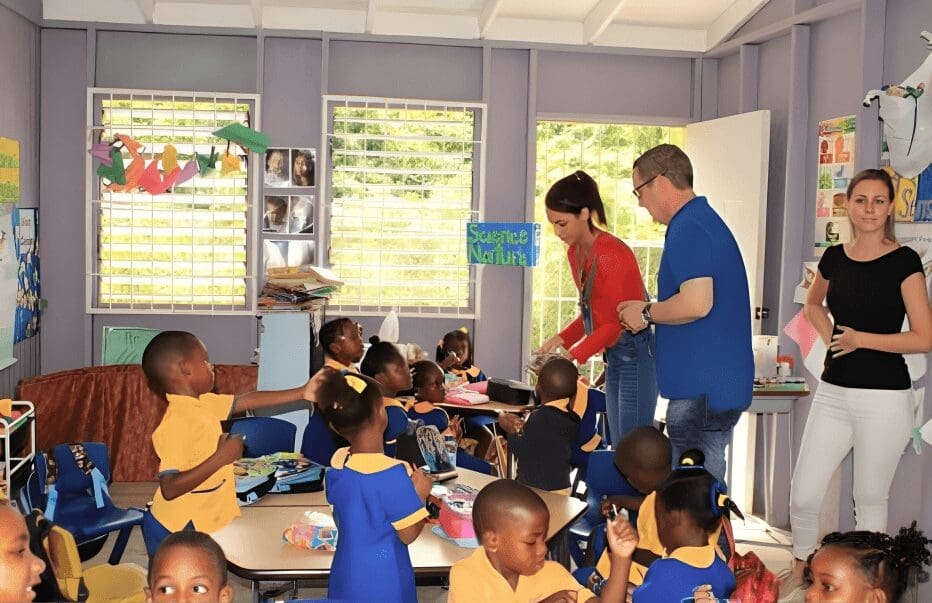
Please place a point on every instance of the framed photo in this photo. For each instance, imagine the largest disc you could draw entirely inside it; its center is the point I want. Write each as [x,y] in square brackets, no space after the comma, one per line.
[301,214]
[287,254]
[303,167]
[275,215]
[277,167]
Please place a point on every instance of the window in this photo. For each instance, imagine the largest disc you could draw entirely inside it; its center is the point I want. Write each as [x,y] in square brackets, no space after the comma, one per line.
[404,181]
[606,152]
[187,250]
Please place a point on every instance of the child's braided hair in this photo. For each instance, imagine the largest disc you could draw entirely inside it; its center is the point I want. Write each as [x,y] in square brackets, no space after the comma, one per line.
[885,561]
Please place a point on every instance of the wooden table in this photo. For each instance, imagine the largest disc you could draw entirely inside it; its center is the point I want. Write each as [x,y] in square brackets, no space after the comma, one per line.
[486,408]
[255,550]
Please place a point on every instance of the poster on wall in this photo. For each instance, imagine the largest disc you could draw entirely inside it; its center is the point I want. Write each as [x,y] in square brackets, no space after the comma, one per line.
[836,168]
[26,237]
[913,201]
[8,269]
[9,170]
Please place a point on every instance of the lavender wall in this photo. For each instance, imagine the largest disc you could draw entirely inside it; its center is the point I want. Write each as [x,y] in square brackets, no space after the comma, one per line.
[19,113]
[729,77]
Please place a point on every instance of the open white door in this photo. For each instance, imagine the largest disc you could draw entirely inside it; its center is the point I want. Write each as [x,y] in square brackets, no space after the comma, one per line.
[730,158]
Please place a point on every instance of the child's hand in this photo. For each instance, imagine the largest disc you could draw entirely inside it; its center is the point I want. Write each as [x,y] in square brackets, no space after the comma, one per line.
[450,361]
[422,483]
[563,596]
[229,448]
[313,384]
[456,427]
[622,537]
[510,423]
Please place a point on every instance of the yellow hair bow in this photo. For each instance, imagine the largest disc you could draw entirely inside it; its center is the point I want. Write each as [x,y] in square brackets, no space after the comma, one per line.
[722,500]
[355,382]
[687,462]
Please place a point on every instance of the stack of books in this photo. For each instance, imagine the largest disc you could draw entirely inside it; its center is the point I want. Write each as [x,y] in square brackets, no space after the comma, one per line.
[298,288]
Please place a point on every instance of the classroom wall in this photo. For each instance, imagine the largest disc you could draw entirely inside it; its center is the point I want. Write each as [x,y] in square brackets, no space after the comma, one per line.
[19,119]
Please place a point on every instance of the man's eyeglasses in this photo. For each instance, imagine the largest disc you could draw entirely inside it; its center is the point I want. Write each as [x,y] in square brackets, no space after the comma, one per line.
[637,189]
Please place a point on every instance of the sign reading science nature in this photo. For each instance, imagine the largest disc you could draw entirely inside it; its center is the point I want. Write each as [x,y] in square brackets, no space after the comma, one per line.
[503,243]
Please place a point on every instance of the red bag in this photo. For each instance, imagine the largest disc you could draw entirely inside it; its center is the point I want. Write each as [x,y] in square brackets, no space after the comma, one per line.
[754,583]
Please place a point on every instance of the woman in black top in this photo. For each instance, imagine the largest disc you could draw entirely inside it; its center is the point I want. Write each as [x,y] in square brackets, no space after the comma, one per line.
[864,399]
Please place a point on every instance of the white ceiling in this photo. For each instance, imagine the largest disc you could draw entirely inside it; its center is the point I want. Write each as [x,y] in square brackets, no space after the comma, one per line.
[680,25]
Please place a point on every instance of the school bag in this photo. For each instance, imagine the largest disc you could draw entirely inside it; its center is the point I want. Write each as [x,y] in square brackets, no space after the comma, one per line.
[46,470]
[754,583]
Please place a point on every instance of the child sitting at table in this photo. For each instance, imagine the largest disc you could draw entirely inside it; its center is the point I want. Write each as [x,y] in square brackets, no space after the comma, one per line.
[188,566]
[196,483]
[644,458]
[690,506]
[378,502]
[341,340]
[20,570]
[384,363]
[455,356]
[542,444]
[511,522]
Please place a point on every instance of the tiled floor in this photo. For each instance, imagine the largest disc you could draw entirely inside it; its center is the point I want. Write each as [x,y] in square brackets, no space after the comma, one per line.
[769,545]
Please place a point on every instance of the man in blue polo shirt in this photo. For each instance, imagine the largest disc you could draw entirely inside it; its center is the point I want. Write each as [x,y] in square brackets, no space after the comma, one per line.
[705,366]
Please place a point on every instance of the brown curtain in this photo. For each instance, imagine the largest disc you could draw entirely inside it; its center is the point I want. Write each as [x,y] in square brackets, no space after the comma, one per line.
[113,405]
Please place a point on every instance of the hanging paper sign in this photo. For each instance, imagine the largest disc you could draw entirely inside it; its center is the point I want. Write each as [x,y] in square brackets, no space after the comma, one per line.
[503,243]
[836,168]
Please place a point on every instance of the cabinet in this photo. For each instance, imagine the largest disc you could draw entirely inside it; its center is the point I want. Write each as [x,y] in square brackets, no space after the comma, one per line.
[11,465]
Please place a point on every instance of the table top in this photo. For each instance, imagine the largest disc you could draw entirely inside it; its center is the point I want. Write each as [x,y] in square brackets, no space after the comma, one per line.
[782,390]
[255,550]
[492,407]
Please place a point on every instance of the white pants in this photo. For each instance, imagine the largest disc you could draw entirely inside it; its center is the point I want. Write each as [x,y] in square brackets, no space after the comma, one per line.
[875,422]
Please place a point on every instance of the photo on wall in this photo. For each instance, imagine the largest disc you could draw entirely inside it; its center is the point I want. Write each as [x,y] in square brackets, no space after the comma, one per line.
[277,167]
[275,214]
[301,214]
[287,254]
[303,167]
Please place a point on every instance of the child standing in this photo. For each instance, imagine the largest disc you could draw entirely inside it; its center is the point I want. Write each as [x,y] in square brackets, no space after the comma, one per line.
[455,356]
[865,566]
[543,443]
[511,522]
[378,502]
[690,506]
[20,570]
[196,483]
[341,340]
[385,364]
[188,566]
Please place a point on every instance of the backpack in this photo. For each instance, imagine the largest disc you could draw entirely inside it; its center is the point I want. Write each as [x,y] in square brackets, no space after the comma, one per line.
[62,579]
[46,469]
[754,583]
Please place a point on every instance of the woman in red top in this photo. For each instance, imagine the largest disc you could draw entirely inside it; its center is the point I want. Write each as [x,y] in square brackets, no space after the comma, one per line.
[606,273]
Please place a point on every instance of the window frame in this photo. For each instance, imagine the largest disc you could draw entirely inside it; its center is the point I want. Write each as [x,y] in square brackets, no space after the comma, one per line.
[480,109]
[92,201]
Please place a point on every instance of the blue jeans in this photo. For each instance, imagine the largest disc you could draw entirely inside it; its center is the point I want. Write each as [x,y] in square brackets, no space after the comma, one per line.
[630,383]
[690,425]
[153,532]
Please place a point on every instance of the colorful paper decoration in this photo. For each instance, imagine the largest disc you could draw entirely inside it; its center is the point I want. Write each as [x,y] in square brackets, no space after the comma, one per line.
[113,171]
[246,137]
[230,164]
[169,158]
[101,151]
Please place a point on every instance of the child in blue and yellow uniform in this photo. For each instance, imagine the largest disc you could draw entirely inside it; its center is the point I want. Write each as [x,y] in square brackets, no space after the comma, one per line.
[384,363]
[455,356]
[511,522]
[196,483]
[341,340]
[378,502]
[690,507]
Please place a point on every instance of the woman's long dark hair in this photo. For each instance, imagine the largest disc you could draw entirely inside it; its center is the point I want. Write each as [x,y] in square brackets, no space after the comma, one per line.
[571,194]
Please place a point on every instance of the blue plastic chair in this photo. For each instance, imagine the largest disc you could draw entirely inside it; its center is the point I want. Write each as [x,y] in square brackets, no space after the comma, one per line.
[319,442]
[265,435]
[76,508]
[588,428]
[604,479]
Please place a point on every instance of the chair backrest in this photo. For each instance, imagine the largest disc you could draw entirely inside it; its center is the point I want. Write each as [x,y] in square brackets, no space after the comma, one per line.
[62,579]
[265,435]
[319,442]
[70,479]
[597,408]
[604,479]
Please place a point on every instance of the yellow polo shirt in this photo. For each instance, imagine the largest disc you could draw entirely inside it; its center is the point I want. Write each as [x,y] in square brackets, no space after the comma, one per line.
[186,437]
[474,580]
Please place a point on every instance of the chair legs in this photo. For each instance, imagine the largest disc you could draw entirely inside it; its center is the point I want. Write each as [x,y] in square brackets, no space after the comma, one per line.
[120,546]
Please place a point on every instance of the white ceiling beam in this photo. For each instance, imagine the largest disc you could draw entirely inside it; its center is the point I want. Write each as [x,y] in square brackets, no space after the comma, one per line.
[599,18]
[257,8]
[370,16]
[488,14]
[147,8]
[736,15]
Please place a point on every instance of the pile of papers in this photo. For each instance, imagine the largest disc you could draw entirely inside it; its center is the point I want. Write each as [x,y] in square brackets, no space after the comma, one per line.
[298,288]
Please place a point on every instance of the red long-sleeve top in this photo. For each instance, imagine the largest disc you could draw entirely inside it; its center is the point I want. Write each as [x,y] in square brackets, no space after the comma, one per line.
[617,279]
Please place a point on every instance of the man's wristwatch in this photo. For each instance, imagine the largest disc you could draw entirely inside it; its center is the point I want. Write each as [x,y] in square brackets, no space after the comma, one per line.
[645,314]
